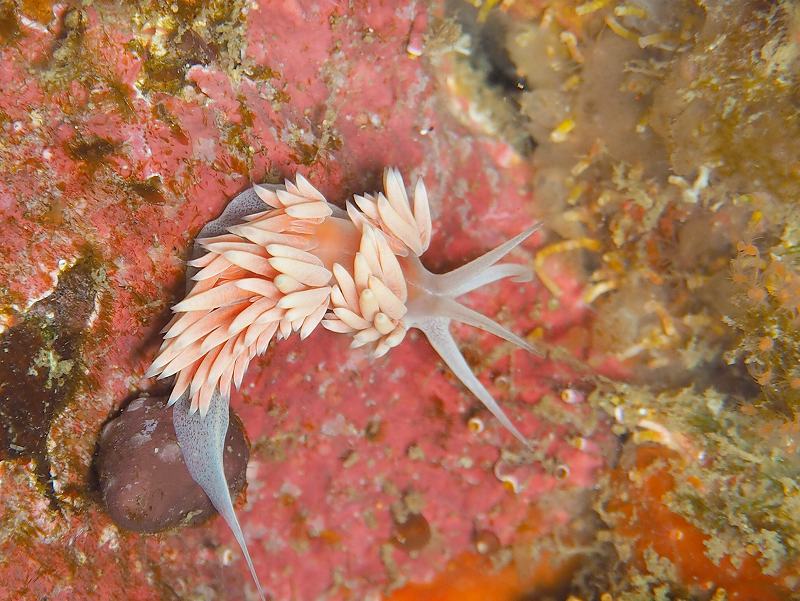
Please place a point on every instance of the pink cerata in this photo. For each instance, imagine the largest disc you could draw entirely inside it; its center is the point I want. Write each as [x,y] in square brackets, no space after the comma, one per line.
[282,259]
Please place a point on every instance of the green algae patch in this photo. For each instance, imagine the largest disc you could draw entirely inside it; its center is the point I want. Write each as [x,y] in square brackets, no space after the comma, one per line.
[38,10]
[73,58]
[186,33]
[41,366]
[9,23]
[91,151]
[149,190]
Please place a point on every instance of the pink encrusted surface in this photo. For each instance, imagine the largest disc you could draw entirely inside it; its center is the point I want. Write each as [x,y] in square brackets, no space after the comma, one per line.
[341,443]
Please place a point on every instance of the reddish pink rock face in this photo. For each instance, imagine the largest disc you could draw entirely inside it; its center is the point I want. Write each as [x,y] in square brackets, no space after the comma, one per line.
[123,132]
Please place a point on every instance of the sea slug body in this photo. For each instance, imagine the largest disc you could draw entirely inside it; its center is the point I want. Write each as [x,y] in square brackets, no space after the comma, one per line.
[280,260]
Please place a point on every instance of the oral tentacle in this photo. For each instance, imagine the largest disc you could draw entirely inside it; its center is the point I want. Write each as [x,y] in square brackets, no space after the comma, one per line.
[453,282]
[437,331]
[519,273]
[458,312]
[202,442]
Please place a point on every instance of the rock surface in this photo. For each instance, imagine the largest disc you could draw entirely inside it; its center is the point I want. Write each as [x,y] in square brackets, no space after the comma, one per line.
[126,127]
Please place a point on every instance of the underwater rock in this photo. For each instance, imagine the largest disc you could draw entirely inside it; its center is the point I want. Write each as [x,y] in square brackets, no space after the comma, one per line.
[143,478]
[328,89]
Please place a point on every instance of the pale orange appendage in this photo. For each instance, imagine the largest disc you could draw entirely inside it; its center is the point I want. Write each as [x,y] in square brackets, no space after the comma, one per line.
[243,298]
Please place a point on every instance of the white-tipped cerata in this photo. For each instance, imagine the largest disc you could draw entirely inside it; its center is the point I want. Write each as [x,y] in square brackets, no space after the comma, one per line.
[296,261]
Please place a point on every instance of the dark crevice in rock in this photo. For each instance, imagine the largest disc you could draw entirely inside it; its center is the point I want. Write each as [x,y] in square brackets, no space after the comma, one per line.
[498,83]
[41,366]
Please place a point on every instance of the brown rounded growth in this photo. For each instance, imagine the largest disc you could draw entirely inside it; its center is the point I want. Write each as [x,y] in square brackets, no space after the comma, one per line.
[486,542]
[143,478]
[412,534]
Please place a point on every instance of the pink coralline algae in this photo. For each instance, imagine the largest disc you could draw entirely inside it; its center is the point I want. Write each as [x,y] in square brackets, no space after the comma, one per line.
[127,128]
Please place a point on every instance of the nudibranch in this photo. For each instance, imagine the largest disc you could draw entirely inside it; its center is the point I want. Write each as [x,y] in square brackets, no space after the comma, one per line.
[280,260]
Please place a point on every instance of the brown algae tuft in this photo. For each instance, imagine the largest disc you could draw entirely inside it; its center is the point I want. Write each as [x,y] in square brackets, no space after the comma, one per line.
[41,366]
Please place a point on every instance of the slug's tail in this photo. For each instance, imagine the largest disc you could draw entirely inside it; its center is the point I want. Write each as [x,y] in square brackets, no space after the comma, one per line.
[202,441]
[434,307]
